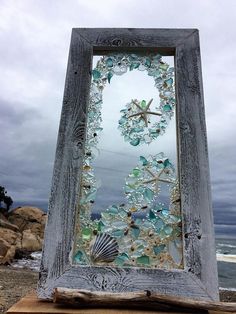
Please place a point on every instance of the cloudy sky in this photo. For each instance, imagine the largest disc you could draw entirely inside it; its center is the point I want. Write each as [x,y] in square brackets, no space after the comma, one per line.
[34,44]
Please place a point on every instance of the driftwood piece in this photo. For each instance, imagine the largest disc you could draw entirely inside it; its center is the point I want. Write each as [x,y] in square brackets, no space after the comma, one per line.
[142,299]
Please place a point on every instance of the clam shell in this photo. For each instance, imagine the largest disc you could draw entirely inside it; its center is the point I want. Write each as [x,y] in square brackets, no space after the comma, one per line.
[104,248]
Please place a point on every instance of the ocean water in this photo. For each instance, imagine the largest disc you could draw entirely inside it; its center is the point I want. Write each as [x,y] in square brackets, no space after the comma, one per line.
[226,261]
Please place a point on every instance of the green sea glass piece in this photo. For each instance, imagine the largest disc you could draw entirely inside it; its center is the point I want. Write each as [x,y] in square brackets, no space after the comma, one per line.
[136,172]
[86,234]
[145,260]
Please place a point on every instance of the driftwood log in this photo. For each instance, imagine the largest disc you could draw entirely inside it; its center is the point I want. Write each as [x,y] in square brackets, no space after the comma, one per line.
[143,299]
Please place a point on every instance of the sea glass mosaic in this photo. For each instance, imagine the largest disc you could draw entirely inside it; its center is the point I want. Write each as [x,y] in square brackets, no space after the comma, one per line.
[142,231]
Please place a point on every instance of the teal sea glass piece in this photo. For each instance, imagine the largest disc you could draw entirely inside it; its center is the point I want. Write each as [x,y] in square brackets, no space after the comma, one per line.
[109,76]
[135,142]
[96,74]
[143,160]
[167,107]
[152,216]
[78,257]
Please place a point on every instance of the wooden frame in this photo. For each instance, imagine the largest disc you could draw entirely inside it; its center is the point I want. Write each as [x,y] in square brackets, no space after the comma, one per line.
[198,279]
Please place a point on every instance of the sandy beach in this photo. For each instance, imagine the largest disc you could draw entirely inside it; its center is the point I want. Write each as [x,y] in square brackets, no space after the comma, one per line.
[14,284]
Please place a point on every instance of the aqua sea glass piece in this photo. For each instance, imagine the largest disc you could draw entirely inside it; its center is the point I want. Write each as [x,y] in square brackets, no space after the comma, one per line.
[113,210]
[159,225]
[145,260]
[158,248]
[148,195]
[168,230]
[78,257]
[109,62]
[135,231]
[121,259]
[169,82]
[118,233]
[86,233]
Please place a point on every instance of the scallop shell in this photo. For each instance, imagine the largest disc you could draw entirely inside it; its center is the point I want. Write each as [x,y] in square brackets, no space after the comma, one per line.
[104,248]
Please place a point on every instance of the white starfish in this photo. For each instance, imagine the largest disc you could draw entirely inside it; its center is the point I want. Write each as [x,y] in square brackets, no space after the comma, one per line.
[144,112]
[156,178]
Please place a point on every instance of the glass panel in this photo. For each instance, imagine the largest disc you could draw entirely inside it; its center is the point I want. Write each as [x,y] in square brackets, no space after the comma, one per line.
[129,206]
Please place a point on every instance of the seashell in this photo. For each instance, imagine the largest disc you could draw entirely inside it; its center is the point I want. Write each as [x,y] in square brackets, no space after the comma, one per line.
[104,248]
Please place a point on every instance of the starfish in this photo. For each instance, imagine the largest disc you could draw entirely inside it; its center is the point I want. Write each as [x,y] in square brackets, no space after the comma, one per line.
[156,178]
[144,112]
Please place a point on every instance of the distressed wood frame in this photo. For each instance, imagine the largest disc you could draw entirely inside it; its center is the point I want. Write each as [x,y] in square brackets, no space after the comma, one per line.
[198,279]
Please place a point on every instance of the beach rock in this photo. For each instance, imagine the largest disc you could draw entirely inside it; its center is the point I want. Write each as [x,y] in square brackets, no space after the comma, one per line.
[21,232]
[30,241]
[9,242]
[29,218]
[6,224]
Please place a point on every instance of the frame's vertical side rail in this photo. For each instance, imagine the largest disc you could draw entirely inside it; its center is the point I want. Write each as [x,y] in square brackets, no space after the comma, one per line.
[198,232]
[59,230]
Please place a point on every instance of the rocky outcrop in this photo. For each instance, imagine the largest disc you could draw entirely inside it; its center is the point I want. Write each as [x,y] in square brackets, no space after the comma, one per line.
[22,230]
[29,218]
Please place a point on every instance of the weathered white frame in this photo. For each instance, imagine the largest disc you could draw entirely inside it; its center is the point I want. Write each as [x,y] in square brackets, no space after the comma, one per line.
[198,279]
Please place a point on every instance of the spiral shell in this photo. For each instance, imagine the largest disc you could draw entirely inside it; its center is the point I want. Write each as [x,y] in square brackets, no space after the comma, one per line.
[104,248]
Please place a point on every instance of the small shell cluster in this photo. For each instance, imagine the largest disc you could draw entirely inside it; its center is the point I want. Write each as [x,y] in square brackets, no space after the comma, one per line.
[104,248]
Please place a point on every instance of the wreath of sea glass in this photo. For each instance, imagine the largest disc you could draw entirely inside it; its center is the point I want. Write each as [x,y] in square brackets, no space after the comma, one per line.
[143,232]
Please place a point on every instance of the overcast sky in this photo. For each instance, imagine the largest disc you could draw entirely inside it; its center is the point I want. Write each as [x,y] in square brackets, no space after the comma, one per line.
[34,44]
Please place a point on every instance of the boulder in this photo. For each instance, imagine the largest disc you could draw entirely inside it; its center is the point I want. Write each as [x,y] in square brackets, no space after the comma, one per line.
[21,232]
[6,224]
[9,242]
[29,218]
[30,241]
